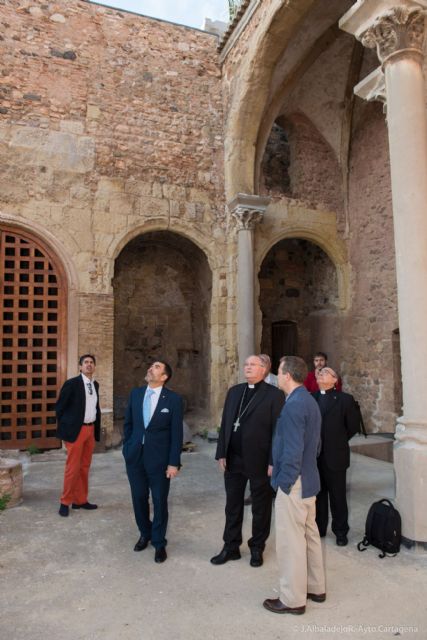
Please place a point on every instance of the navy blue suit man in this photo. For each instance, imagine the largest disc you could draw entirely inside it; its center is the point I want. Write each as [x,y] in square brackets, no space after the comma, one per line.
[152,444]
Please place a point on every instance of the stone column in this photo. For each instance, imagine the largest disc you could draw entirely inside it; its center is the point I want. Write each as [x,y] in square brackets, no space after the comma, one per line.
[396,28]
[247,210]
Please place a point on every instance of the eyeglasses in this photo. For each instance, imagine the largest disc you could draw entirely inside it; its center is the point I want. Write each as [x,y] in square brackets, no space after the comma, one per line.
[89,388]
[327,372]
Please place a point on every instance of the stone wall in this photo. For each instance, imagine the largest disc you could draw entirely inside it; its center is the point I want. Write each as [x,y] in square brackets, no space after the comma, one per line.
[299,163]
[162,288]
[297,282]
[111,127]
[368,353]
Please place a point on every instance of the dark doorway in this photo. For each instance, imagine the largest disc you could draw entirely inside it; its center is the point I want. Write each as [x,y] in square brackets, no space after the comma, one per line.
[284,341]
[298,281]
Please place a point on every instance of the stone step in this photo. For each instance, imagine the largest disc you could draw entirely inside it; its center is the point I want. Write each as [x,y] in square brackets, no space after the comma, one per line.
[379,446]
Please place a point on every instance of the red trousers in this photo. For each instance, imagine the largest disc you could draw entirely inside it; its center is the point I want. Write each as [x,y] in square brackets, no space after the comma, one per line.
[76,474]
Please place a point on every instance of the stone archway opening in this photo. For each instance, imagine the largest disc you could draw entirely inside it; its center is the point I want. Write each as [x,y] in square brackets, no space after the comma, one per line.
[162,296]
[299,301]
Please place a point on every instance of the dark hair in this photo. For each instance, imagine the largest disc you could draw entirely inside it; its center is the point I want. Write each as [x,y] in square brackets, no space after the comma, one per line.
[295,366]
[167,368]
[87,355]
[321,354]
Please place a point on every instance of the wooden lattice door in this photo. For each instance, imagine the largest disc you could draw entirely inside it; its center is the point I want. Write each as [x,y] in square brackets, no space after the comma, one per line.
[32,330]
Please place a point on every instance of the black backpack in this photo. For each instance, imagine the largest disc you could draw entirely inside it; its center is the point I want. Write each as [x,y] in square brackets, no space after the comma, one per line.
[383,528]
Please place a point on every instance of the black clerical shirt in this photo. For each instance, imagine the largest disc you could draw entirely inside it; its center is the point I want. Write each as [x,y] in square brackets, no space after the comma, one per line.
[235,447]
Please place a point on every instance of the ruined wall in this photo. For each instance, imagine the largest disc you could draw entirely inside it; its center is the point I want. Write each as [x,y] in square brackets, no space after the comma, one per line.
[162,289]
[111,125]
[368,352]
[297,281]
[299,163]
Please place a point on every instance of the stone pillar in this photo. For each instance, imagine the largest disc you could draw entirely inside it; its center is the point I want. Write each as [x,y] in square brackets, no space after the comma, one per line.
[247,210]
[396,28]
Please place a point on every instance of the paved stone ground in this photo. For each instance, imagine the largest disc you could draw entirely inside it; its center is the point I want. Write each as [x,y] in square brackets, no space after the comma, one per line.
[78,578]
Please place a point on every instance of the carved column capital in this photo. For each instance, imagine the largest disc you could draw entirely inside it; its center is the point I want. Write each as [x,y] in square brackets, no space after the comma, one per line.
[248,210]
[372,88]
[401,29]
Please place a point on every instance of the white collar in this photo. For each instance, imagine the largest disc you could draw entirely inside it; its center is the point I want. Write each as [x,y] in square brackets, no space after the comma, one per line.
[157,390]
[86,380]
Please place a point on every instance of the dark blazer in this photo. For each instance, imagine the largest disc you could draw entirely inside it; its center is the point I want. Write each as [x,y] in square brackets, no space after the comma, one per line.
[340,423]
[163,436]
[257,426]
[296,444]
[70,410]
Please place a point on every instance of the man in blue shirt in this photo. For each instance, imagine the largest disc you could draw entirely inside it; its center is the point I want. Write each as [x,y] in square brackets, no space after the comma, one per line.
[295,477]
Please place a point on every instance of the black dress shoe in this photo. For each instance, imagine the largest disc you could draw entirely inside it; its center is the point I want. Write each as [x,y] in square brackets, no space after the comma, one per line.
[256,558]
[141,544]
[225,556]
[316,597]
[64,510]
[86,505]
[160,555]
[342,541]
[277,606]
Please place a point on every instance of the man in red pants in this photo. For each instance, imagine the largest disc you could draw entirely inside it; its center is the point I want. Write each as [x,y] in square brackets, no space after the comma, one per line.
[79,425]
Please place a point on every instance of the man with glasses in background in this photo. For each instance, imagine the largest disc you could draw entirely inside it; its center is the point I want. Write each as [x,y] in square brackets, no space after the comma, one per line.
[79,425]
[340,422]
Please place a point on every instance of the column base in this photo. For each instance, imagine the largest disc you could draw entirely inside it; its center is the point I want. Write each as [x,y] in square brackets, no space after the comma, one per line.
[410,464]
[414,545]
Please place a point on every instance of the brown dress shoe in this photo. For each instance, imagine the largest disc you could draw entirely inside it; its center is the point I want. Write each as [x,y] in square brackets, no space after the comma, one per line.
[277,606]
[317,597]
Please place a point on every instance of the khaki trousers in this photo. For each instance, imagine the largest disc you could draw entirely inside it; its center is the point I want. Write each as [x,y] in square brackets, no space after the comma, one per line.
[298,547]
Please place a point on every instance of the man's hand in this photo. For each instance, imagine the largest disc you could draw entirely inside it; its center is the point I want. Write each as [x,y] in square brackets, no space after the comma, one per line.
[270,470]
[171,472]
[222,464]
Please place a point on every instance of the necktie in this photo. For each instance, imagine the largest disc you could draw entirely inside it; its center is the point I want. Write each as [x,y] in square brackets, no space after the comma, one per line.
[146,407]
[89,388]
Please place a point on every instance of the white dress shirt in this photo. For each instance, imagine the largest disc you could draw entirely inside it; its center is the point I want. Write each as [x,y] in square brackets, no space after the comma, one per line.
[154,399]
[91,400]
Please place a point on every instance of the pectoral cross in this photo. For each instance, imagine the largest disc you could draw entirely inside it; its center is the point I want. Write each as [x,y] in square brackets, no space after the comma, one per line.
[236,425]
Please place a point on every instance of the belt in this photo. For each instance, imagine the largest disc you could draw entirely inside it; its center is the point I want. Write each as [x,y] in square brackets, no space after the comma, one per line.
[88,424]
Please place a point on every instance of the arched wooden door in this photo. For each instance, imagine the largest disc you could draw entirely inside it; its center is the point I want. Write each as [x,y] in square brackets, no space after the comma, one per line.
[33,330]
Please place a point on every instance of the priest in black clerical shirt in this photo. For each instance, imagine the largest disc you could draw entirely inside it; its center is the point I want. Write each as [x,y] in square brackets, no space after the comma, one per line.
[250,413]
[340,422]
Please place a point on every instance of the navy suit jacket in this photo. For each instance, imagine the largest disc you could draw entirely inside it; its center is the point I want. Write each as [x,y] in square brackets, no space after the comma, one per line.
[296,444]
[70,410]
[163,436]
